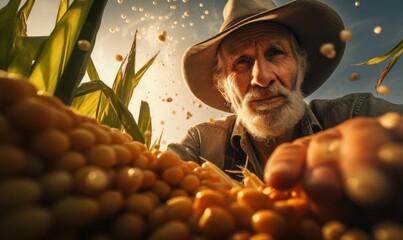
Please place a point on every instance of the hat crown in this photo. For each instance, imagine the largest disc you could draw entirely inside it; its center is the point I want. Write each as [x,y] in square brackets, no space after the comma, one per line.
[236,10]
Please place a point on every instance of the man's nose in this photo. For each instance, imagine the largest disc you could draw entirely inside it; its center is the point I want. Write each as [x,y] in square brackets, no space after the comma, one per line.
[262,73]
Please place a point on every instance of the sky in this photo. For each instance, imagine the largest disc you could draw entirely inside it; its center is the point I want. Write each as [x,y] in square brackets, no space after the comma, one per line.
[186,22]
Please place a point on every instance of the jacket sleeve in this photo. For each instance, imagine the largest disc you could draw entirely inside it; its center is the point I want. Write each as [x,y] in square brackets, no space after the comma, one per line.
[188,147]
[333,112]
[207,140]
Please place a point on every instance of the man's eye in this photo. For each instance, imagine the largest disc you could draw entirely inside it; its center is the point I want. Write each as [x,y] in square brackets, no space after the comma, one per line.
[272,52]
[242,63]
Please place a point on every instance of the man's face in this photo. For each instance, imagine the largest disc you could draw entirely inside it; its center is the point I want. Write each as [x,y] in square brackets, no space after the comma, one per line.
[263,80]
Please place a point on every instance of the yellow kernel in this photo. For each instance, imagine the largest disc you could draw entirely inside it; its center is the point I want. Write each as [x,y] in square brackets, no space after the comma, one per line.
[206,198]
[101,155]
[328,50]
[354,76]
[383,90]
[190,183]
[139,204]
[129,226]
[270,222]
[90,180]
[216,223]
[50,143]
[70,161]
[129,180]
[19,192]
[171,230]
[333,230]
[161,189]
[252,198]
[119,57]
[13,161]
[173,175]
[123,154]
[25,223]
[179,208]
[346,35]
[168,159]
[56,184]
[110,202]
[32,114]
[101,136]
[74,212]
[84,45]
[81,138]
[377,30]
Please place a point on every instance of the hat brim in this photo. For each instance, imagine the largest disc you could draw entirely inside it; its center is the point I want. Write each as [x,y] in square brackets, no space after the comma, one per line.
[313,23]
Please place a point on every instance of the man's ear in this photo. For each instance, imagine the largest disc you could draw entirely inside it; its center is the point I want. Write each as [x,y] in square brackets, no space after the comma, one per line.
[219,87]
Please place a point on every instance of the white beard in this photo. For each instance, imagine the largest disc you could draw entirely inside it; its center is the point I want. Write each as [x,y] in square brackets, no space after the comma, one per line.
[266,121]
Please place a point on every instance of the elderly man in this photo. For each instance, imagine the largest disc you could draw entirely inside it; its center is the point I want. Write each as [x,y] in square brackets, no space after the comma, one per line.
[261,65]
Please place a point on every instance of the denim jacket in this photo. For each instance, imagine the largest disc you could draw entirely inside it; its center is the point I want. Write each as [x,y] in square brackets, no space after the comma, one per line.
[227,144]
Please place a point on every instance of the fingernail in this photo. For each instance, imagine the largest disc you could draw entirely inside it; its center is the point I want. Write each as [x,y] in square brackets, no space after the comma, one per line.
[281,175]
[323,177]
[367,187]
[323,185]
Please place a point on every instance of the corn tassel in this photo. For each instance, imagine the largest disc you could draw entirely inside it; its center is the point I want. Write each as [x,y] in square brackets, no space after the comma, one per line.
[249,179]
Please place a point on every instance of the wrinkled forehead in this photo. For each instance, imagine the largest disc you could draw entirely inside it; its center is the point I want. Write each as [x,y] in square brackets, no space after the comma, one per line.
[253,34]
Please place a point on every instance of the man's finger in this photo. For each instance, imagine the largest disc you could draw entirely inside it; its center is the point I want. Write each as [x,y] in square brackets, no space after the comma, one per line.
[322,180]
[285,165]
[364,175]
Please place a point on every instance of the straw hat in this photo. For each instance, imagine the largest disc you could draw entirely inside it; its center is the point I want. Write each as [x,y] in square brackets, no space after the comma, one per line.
[313,23]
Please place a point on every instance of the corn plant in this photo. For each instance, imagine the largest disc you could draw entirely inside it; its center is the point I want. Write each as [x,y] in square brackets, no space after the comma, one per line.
[395,52]
[56,64]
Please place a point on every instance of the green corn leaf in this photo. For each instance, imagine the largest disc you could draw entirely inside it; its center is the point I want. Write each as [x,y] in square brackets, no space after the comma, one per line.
[107,114]
[123,88]
[25,51]
[23,14]
[122,111]
[386,70]
[8,21]
[92,71]
[53,59]
[144,121]
[63,6]
[140,73]
[379,59]
[88,104]
[77,62]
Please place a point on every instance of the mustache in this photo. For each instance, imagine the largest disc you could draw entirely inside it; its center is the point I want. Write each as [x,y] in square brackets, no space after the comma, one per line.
[273,89]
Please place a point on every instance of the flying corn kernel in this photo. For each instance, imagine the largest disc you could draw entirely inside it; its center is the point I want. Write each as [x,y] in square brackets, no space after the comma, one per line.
[377,30]
[162,37]
[84,45]
[119,57]
[354,76]
[357,3]
[383,90]
[328,50]
[346,35]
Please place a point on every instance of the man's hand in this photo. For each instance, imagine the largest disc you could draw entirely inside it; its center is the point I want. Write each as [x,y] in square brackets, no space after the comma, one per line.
[352,169]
